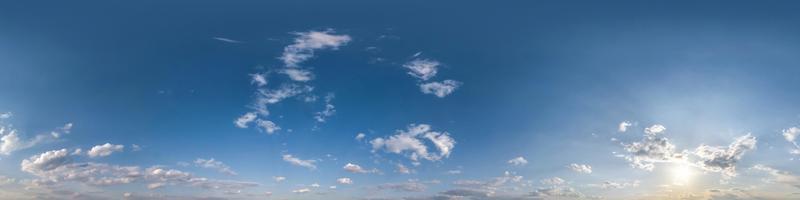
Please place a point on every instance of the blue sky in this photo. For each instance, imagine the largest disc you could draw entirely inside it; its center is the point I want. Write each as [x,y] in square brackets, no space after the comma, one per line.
[399,100]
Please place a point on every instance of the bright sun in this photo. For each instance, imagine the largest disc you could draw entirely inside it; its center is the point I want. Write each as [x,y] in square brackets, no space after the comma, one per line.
[681,174]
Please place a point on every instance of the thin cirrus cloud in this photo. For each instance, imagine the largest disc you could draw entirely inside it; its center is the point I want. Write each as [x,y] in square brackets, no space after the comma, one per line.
[310,164]
[216,165]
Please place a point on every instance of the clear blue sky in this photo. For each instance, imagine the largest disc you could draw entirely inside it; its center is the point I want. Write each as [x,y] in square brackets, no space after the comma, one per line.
[470,100]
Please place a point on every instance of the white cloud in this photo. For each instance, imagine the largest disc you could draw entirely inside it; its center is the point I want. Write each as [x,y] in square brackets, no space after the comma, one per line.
[623,126]
[329,110]
[160,177]
[580,168]
[228,40]
[299,162]
[315,185]
[307,42]
[423,69]
[267,126]
[553,181]
[360,136]
[301,191]
[56,166]
[279,178]
[66,129]
[345,181]
[409,143]
[403,169]
[557,193]
[724,160]
[518,161]
[790,134]
[6,115]
[10,140]
[260,79]
[104,150]
[245,119]
[778,176]
[440,89]
[409,186]
[214,164]
[616,185]
[652,149]
[453,172]
[135,147]
[298,74]
[354,168]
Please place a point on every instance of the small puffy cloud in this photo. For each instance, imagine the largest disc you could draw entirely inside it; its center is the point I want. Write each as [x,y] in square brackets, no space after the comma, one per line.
[553,181]
[410,142]
[259,79]
[655,129]
[403,169]
[423,69]
[214,164]
[279,178]
[307,42]
[724,160]
[299,162]
[360,136]
[790,134]
[440,89]
[623,126]
[580,168]
[66,129]
[245,119]
[104,150]
[46,161]
[344,181]
[518,161]
[354,168]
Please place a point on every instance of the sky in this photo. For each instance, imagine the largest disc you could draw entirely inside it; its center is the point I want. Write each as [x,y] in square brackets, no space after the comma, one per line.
[413,100]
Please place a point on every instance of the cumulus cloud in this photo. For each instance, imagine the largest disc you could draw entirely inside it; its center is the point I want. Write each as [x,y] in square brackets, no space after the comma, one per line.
[518,161]
[11,140]
[790,135]
[160,177]
[623,126]
[616,185]
[440,89]
[557,192]
[56,166]
[724,160]
[301,191]
[214,164]
[267,126]
[410,143]
[66,129]
[344,181]
[354,168]
[423,69]
[307,42]
[279,178]
[403,169]
[104,150]
[653,148]
[580,168]
[299,162]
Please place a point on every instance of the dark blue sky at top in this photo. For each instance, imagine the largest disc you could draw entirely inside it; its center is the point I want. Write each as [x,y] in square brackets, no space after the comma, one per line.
[538,76]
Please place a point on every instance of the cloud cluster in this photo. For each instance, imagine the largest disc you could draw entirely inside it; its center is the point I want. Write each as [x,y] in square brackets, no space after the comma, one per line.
[790,135]
[653,148]
[410,142]
[580,168]
[518,161]
[354,168]
[307,42]
[721,159]
[11,140]
[425,69]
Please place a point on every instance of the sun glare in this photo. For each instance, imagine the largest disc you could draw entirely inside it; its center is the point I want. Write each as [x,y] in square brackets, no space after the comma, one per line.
[681,174]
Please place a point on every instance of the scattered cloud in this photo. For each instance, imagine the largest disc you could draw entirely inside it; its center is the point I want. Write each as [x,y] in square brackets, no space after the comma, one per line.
[652,149]
[623,126]
[299,162]
[354,168]
[422,69]
[553,181]
[214,164]
[301,191]
[360,136]
[329,110]
[518,161]
[580,168]
[724,160]
[779,176]
[408,186]
[440,89]
[409,142]
[279,178]
[616,185]
[344,181]
[245,119]
[403,169]
[104,150]
[790,135]
[307,42]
